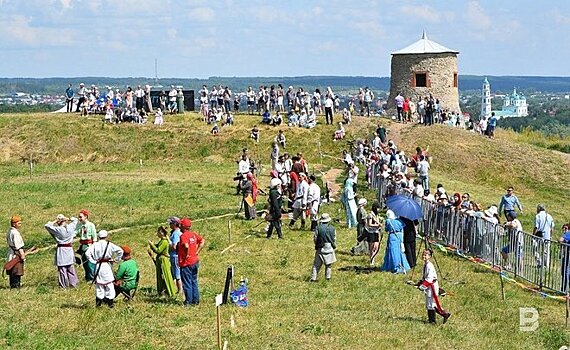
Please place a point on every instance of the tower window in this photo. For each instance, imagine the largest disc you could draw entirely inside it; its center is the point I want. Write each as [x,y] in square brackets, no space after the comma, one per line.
[420,80]
[455,78]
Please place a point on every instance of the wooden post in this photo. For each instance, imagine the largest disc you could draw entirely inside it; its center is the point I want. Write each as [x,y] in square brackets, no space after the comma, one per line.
[219,327]
[218,301]
[31,166]
[229,232]
[502,283]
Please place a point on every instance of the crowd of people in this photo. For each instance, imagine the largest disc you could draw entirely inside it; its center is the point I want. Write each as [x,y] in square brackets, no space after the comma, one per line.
[129,106]
[175,256]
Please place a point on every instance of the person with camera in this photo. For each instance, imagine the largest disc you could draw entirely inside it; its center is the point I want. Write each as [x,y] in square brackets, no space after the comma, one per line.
[63,231]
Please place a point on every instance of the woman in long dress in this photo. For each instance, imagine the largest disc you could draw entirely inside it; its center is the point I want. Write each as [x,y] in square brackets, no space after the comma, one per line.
[349,202]
[164,281]
[394,260]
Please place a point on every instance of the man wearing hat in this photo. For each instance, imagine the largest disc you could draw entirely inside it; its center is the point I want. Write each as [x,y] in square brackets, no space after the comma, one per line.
[15,249]
[81,93]
[188,248]
[313,200]
[102,254]
[300,202]
[275,204]
[126,278]
[174,223]
[63,231]
[325,244]
[87,233]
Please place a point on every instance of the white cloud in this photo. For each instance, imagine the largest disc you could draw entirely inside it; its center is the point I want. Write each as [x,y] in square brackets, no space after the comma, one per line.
[202,14]
[19,29]
[317,11]
[67,4]
[476,16]
[266,14]
[172,33]
[426,13]
[372,29]
[325,47]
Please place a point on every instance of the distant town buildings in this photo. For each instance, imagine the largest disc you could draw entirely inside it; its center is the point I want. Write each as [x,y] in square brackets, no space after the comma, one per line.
[514,105]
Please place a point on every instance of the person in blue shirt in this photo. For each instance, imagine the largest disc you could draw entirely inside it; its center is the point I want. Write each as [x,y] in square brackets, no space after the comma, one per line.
[509,201]
[69,98]
[266,117]
[492,125]
[175,233]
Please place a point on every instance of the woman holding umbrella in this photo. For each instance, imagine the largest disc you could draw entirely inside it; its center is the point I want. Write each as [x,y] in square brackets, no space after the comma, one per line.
[394,260]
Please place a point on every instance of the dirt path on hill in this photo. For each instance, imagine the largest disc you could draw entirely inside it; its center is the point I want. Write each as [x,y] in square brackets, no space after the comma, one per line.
[330,178]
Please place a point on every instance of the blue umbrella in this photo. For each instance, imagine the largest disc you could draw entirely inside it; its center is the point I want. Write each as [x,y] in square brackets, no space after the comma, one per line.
[405,207]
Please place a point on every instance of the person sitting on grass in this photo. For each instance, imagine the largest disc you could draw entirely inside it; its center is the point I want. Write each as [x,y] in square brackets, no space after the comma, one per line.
[280,138]
[339,132]
[158,118]
[229,119]
[266,117]
[311,120]
[276,119]
[215,130]
[254,134]
[126,277]
[292,119]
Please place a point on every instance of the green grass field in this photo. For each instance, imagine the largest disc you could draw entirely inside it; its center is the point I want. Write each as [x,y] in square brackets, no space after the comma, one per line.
[133,177]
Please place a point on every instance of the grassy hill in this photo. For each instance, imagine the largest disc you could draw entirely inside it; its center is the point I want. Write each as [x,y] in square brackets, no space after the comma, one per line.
[132,177]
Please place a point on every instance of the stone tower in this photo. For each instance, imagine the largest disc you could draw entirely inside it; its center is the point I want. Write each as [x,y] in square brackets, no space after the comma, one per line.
[425,67]
[486,99]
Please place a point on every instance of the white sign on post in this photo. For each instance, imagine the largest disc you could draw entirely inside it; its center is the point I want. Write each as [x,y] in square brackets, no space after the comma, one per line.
[219,299]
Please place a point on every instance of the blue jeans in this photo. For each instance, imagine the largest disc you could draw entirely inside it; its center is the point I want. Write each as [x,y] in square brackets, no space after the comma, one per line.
[425,181]
[189,275]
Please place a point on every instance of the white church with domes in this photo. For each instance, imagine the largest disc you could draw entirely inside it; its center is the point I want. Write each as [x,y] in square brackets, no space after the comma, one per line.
[513,105]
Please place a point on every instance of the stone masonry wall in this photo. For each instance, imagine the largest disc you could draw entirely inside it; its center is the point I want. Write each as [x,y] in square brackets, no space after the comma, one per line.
[440,68]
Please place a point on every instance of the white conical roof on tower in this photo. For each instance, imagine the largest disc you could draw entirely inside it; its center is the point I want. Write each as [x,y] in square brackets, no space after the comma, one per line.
[424,45]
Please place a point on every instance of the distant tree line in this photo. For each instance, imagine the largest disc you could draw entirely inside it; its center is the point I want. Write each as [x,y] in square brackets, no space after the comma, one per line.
[54,86]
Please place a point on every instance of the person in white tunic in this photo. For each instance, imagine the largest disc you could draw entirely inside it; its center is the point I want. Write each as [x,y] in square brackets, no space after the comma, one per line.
[63,231]
[104,253]
[313,201]
[430,286]
[300,203]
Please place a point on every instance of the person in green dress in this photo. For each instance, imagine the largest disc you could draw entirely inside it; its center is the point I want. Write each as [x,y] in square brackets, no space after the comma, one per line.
[164,281]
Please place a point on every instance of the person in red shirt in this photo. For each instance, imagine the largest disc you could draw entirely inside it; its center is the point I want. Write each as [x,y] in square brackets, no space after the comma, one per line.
[188,248]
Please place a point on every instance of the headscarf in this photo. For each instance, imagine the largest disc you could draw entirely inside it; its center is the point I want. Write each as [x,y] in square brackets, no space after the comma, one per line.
[457,203]
[251,178]
[15,218]
[273,174]
[84,212]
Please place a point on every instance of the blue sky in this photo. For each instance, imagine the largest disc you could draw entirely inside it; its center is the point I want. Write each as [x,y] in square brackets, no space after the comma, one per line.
[197,39]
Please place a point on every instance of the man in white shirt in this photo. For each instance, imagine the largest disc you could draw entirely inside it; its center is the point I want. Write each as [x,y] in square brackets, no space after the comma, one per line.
[399,106]
[314,201]
[423,169]
[139,94]
[300,202]
[103,253]
[172,107]
[543,226]
[329,104]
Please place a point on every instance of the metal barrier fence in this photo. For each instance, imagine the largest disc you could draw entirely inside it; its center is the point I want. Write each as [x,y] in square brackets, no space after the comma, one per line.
[541,262]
